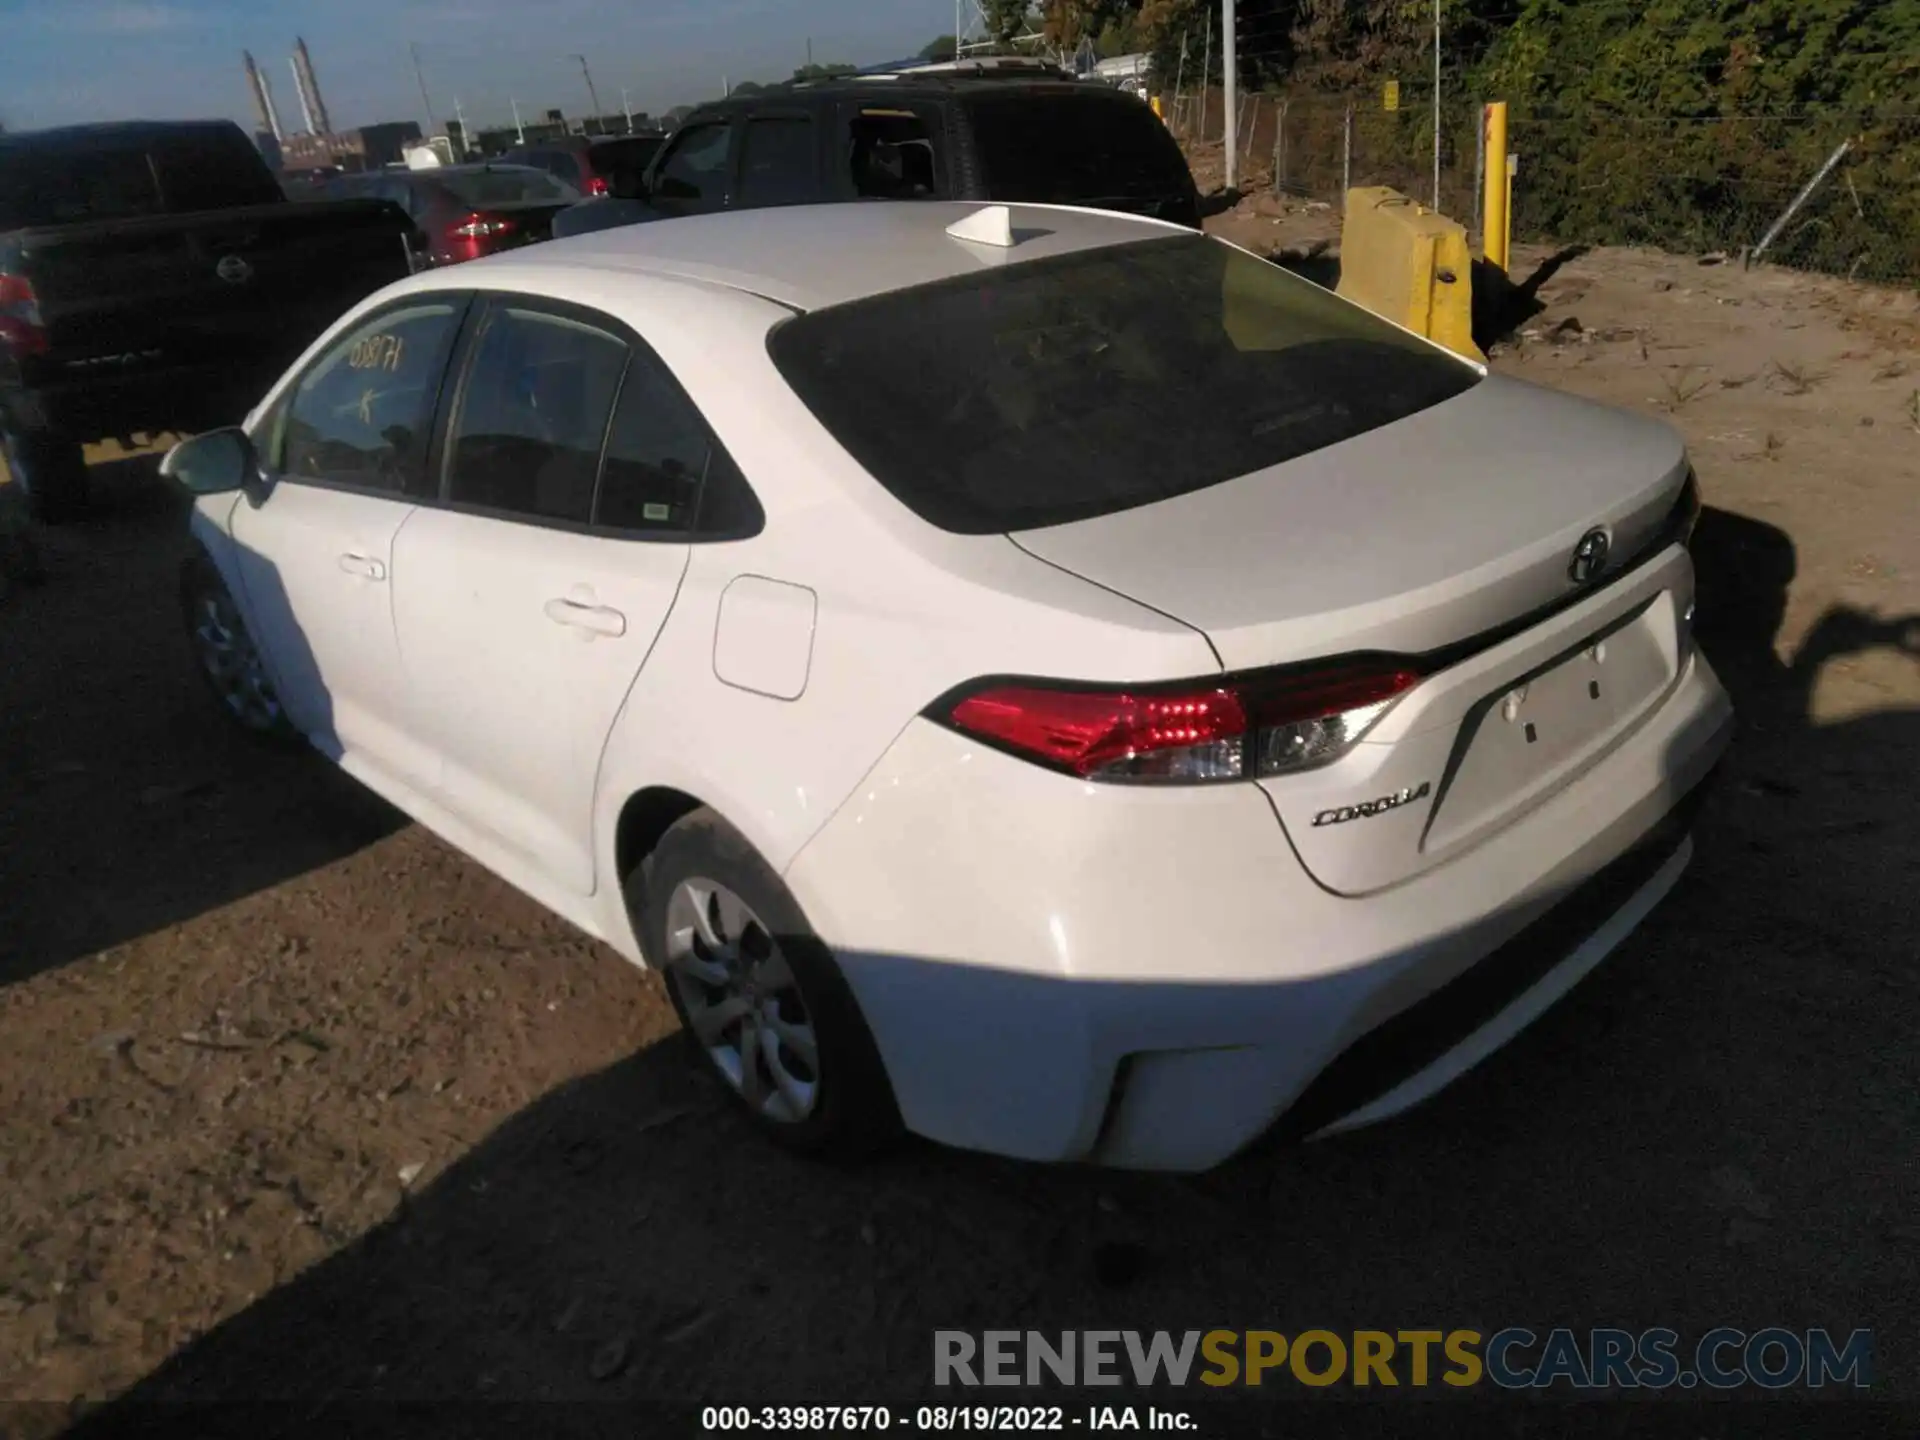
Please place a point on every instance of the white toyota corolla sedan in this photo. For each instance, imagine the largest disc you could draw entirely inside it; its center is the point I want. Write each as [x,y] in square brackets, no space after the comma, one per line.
[1042,678]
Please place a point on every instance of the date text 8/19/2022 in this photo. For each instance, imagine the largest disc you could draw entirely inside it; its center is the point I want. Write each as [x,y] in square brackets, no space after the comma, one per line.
[929,1419]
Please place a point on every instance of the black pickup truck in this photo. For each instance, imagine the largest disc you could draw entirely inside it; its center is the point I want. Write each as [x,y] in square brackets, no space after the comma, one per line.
[155,278]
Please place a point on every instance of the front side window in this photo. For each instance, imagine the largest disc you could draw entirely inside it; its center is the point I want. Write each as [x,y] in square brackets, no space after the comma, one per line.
[533,415]
[694,172]
[361,415]
[1091,383]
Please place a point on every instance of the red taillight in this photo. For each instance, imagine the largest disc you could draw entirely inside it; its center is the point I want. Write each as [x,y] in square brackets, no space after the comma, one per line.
[23,329]
[1116,734]
[1273,723]
[596,186]
[477,225]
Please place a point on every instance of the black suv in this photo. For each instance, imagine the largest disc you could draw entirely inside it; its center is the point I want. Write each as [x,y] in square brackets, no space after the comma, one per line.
[1013,134]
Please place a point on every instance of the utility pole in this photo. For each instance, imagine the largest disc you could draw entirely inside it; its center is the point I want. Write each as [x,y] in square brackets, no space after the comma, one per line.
[809,52]
[725,89]
[592,94]
[1206,75]
[460,118]
[1231,85]
[420,75]
[1436,103]
[519,129]
[626,108]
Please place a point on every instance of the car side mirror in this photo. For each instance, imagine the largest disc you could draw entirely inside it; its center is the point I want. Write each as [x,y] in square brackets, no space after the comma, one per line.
[217,463]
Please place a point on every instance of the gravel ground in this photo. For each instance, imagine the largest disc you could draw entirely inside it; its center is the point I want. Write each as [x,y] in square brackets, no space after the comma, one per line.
[296,1102]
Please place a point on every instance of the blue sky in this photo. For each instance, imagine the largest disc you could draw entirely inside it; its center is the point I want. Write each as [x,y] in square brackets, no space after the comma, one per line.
[65,61]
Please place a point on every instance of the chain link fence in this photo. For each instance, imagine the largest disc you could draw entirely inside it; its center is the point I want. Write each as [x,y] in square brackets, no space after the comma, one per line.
[1721,183]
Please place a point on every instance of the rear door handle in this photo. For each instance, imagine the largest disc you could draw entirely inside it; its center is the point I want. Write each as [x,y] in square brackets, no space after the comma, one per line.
[356,564]
[595,619]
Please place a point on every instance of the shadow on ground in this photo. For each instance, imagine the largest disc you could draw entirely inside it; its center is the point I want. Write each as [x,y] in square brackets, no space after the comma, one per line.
[129,803]
[1715,1129]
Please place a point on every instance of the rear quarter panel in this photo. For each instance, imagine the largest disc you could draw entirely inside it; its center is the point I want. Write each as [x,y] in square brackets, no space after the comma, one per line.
[903,612]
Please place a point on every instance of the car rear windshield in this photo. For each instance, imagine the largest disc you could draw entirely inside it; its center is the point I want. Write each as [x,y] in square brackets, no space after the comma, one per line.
[481,189]
[120,176]
[1087,384]
[624,154]
[1075,148]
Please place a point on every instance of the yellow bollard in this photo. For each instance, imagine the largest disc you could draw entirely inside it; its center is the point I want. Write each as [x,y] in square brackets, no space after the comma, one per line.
[1494,225]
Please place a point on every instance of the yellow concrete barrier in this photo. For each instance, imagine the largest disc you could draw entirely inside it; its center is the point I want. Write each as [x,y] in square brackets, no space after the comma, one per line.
[1409,264]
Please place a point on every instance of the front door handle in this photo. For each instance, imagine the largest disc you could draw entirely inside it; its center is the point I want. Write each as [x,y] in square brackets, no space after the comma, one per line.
[356,564]
[594,619]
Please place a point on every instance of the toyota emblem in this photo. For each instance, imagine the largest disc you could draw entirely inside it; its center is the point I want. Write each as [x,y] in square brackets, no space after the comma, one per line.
[1589,556]
[233,270]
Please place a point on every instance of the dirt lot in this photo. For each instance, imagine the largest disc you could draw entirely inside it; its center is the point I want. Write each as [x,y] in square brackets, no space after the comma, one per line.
[295,1102]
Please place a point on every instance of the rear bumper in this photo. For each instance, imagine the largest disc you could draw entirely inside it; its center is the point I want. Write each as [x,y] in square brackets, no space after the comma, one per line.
[1117,975]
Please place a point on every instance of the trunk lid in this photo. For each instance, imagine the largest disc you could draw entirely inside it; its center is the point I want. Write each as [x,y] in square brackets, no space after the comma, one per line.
[1451,535]
[533,219]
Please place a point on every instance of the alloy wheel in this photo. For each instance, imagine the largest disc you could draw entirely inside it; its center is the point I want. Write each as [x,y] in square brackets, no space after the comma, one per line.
[742,1000]
[233,663]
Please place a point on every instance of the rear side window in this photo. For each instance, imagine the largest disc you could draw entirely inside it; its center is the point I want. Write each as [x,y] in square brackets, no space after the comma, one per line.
[665,471]
[533,416]
[777,165]
[1076,149]
[1091,383]
[360,416]
[890,155]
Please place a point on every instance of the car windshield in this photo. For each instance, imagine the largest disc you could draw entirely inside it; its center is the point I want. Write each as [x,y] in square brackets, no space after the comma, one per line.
[481,189]
[1091,383]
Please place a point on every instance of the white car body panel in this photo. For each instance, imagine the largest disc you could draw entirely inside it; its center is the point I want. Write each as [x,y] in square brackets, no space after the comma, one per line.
[520,644]
[1053,968]
[316,567]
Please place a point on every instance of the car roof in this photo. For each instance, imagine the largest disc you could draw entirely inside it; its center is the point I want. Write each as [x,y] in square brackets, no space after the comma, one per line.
[910,84]
[808,257]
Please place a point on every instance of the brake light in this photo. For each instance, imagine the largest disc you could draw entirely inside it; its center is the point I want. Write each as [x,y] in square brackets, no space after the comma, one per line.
[1269,723]
[596,186]
[477,225]
[22,327]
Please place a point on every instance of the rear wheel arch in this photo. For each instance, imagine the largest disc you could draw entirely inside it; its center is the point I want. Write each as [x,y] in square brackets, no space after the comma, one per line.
[645,818]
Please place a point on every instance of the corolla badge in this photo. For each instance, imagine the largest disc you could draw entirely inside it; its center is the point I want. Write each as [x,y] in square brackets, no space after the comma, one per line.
[1385,803]
[233,270]
[1589,556]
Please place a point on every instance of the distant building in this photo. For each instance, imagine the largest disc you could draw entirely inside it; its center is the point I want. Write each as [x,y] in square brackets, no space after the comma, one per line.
[371,147]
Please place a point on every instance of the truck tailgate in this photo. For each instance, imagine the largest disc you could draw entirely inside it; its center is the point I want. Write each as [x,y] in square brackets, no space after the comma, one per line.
[248,286]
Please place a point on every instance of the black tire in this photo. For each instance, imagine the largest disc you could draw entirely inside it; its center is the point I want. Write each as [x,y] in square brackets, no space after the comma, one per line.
[22,561]
[854,1113]
[201,586]
[53,472]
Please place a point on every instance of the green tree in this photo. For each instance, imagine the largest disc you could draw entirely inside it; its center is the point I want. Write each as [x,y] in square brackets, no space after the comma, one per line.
[1006,19]
[939,50]
[824,72]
